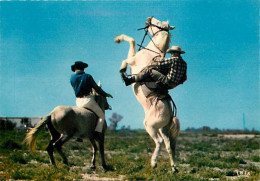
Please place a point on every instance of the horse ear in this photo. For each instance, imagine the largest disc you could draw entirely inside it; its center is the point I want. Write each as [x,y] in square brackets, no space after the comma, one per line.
[94,92]
[170,27]
[99,84]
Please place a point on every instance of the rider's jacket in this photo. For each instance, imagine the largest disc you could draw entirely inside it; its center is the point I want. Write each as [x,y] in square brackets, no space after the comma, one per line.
[83,83]
[175,68]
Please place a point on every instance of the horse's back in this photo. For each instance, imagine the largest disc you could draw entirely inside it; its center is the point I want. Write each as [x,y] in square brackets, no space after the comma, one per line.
[73,120]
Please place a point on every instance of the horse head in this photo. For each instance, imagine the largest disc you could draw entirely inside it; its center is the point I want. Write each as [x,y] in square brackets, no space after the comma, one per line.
[155,26]
[101,100]
[160,32]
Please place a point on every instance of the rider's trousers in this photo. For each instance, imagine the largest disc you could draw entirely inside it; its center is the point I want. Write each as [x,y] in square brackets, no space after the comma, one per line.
[89,102]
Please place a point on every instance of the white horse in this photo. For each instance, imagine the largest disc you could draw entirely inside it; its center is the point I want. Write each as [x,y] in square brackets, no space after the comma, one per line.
[65,122]
[159,121]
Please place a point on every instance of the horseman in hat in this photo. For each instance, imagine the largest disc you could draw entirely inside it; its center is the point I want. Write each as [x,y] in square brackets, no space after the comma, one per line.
[82,84]
[166,74]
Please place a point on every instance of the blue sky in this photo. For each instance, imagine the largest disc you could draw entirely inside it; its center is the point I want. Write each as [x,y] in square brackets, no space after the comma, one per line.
[41,40]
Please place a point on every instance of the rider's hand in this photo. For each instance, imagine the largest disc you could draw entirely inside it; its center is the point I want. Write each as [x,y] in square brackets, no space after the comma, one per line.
[109,95]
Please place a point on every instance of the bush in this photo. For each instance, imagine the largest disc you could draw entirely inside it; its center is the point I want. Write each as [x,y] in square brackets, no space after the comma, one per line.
[203,146]
[235,145]
[10,144]
[7,125]
[19,158]
[255,158]
[254,145]
[231,173]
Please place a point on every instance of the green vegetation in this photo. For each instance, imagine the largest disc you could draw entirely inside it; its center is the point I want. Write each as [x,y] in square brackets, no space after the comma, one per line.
[200,156]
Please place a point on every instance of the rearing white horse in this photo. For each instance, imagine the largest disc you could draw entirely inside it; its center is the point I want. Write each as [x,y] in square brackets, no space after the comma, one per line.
[159,121]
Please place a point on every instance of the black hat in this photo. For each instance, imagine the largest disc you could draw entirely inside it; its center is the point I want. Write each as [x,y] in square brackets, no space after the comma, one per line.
[79,65]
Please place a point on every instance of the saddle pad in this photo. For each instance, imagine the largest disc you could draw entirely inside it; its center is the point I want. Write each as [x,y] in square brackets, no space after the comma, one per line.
[146,90]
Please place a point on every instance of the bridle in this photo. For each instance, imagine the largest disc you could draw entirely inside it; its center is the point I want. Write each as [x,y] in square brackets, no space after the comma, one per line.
[148,24]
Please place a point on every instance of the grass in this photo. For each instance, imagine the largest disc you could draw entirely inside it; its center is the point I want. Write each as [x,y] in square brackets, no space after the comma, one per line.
[200,156]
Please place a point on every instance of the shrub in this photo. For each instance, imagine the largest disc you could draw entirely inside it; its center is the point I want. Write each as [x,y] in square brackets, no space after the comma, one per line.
[18,158]
[255,158]
[10,144]
[234,145]
[203,146]
[7,125]
[254,145]
[231,173]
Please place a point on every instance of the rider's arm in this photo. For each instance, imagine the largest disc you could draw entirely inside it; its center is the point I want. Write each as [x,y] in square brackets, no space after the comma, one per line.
[97,88]
[168,64]
[170,75]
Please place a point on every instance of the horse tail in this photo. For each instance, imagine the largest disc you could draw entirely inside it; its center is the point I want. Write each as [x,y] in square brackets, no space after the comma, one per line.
[175,127]
[175,124]
[30,137]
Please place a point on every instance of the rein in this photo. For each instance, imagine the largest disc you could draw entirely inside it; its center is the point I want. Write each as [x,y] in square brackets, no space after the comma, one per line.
[146,33]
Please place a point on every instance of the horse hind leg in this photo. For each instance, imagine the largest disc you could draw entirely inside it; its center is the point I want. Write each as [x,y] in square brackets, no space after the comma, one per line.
[58,145]
[55,135]
[170,135]
[158,140]
[94,147]
[170,147]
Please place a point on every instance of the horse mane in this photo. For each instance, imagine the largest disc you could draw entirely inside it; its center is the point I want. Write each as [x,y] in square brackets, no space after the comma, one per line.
[101,100]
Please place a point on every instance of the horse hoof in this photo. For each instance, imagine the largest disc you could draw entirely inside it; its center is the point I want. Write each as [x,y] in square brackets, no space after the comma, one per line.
[154,165]
[93,167]
[175,170]
[117,40]
[108,168]
[105,167]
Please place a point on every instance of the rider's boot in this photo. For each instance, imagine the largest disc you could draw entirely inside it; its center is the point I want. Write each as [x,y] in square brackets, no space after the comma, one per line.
[128,81]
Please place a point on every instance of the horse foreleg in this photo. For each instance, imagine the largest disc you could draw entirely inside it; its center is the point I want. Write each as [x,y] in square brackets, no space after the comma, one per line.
[94,147]
[131,42]
[100,138]
[58,145]
[158,142]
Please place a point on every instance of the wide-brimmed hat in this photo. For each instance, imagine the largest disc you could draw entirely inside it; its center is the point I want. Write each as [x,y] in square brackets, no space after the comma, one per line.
[78,65]
[175,49]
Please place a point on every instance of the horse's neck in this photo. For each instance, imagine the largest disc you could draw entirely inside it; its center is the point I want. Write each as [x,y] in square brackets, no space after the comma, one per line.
[160,43]
[143,58]
[99,101]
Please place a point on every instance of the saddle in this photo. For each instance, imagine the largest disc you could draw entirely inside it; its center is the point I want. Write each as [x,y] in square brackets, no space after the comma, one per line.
[150,90]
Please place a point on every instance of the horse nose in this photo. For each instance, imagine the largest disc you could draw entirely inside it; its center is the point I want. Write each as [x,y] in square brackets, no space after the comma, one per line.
[150,17]
[171,27]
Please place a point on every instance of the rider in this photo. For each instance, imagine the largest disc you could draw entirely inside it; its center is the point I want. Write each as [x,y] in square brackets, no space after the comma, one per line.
[82,84]
[167,74]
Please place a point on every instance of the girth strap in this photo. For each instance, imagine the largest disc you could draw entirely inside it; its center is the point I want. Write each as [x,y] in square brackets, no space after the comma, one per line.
[155,96]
